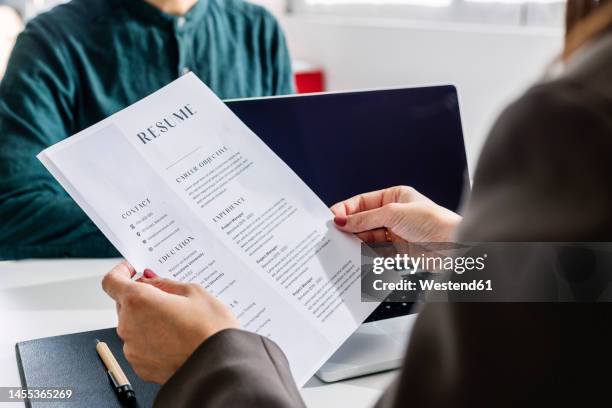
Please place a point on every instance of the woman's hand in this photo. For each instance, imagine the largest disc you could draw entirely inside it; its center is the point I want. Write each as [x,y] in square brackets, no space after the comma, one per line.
[402,211]
[162,322]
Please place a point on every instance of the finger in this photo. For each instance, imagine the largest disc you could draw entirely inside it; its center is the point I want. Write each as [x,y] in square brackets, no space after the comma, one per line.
[172,286]
[383,217]
[358,203]
[147,274]
[373,236]
[129,353]
[117,281]
[375,199]
[130,268]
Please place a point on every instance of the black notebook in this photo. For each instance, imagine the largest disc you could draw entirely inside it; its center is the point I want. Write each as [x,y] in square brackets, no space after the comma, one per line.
[72,361]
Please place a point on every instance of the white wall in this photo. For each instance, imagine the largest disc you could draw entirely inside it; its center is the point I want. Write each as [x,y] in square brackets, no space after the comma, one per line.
[10,26]
[490,65]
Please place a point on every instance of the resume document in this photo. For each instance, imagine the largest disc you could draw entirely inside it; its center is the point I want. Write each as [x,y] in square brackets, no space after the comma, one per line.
[180,185]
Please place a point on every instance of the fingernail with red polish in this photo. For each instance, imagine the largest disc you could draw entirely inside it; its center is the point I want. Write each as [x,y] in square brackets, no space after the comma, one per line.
[149,274]
[340,221]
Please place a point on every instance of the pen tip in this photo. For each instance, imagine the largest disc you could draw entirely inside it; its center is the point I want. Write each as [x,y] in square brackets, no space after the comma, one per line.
[97,341]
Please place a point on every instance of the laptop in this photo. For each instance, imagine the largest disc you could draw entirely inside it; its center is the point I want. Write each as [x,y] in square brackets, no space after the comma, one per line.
[345,143]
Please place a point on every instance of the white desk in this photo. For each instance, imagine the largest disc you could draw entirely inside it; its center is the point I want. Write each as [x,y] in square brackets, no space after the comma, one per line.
[47,298]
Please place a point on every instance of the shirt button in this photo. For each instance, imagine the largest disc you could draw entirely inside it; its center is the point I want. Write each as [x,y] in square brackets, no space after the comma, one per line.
[186,70]
[180,22]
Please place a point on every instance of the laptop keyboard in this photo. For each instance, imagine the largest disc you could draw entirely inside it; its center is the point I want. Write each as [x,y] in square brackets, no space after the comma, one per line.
[387,310]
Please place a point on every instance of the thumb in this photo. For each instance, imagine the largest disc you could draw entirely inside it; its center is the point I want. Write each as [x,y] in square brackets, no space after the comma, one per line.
[117,281]
[382,217]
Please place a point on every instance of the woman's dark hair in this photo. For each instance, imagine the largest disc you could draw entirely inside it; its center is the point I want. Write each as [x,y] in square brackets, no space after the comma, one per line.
[585,20]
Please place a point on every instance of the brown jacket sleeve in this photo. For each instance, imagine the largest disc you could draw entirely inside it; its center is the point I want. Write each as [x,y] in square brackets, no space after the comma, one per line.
[233,368]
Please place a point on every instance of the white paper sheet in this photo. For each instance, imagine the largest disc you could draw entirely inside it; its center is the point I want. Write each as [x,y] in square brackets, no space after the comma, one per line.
[180,185]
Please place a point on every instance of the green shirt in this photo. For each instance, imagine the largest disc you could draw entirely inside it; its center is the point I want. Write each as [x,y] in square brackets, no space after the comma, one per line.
[87,59]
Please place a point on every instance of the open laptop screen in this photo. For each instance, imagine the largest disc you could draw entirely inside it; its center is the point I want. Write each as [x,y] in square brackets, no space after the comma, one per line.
[343,144]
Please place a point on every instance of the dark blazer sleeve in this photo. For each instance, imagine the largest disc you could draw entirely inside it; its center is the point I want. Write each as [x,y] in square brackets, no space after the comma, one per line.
[233,368]
[544,175]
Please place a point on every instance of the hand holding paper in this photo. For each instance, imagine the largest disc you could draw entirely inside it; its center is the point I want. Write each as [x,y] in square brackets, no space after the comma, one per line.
[162,321]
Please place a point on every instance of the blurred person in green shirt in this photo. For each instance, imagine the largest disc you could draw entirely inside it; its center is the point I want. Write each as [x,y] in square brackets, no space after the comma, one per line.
[85,60]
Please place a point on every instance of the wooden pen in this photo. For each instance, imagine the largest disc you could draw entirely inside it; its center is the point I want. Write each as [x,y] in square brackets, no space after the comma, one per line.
[122,386]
